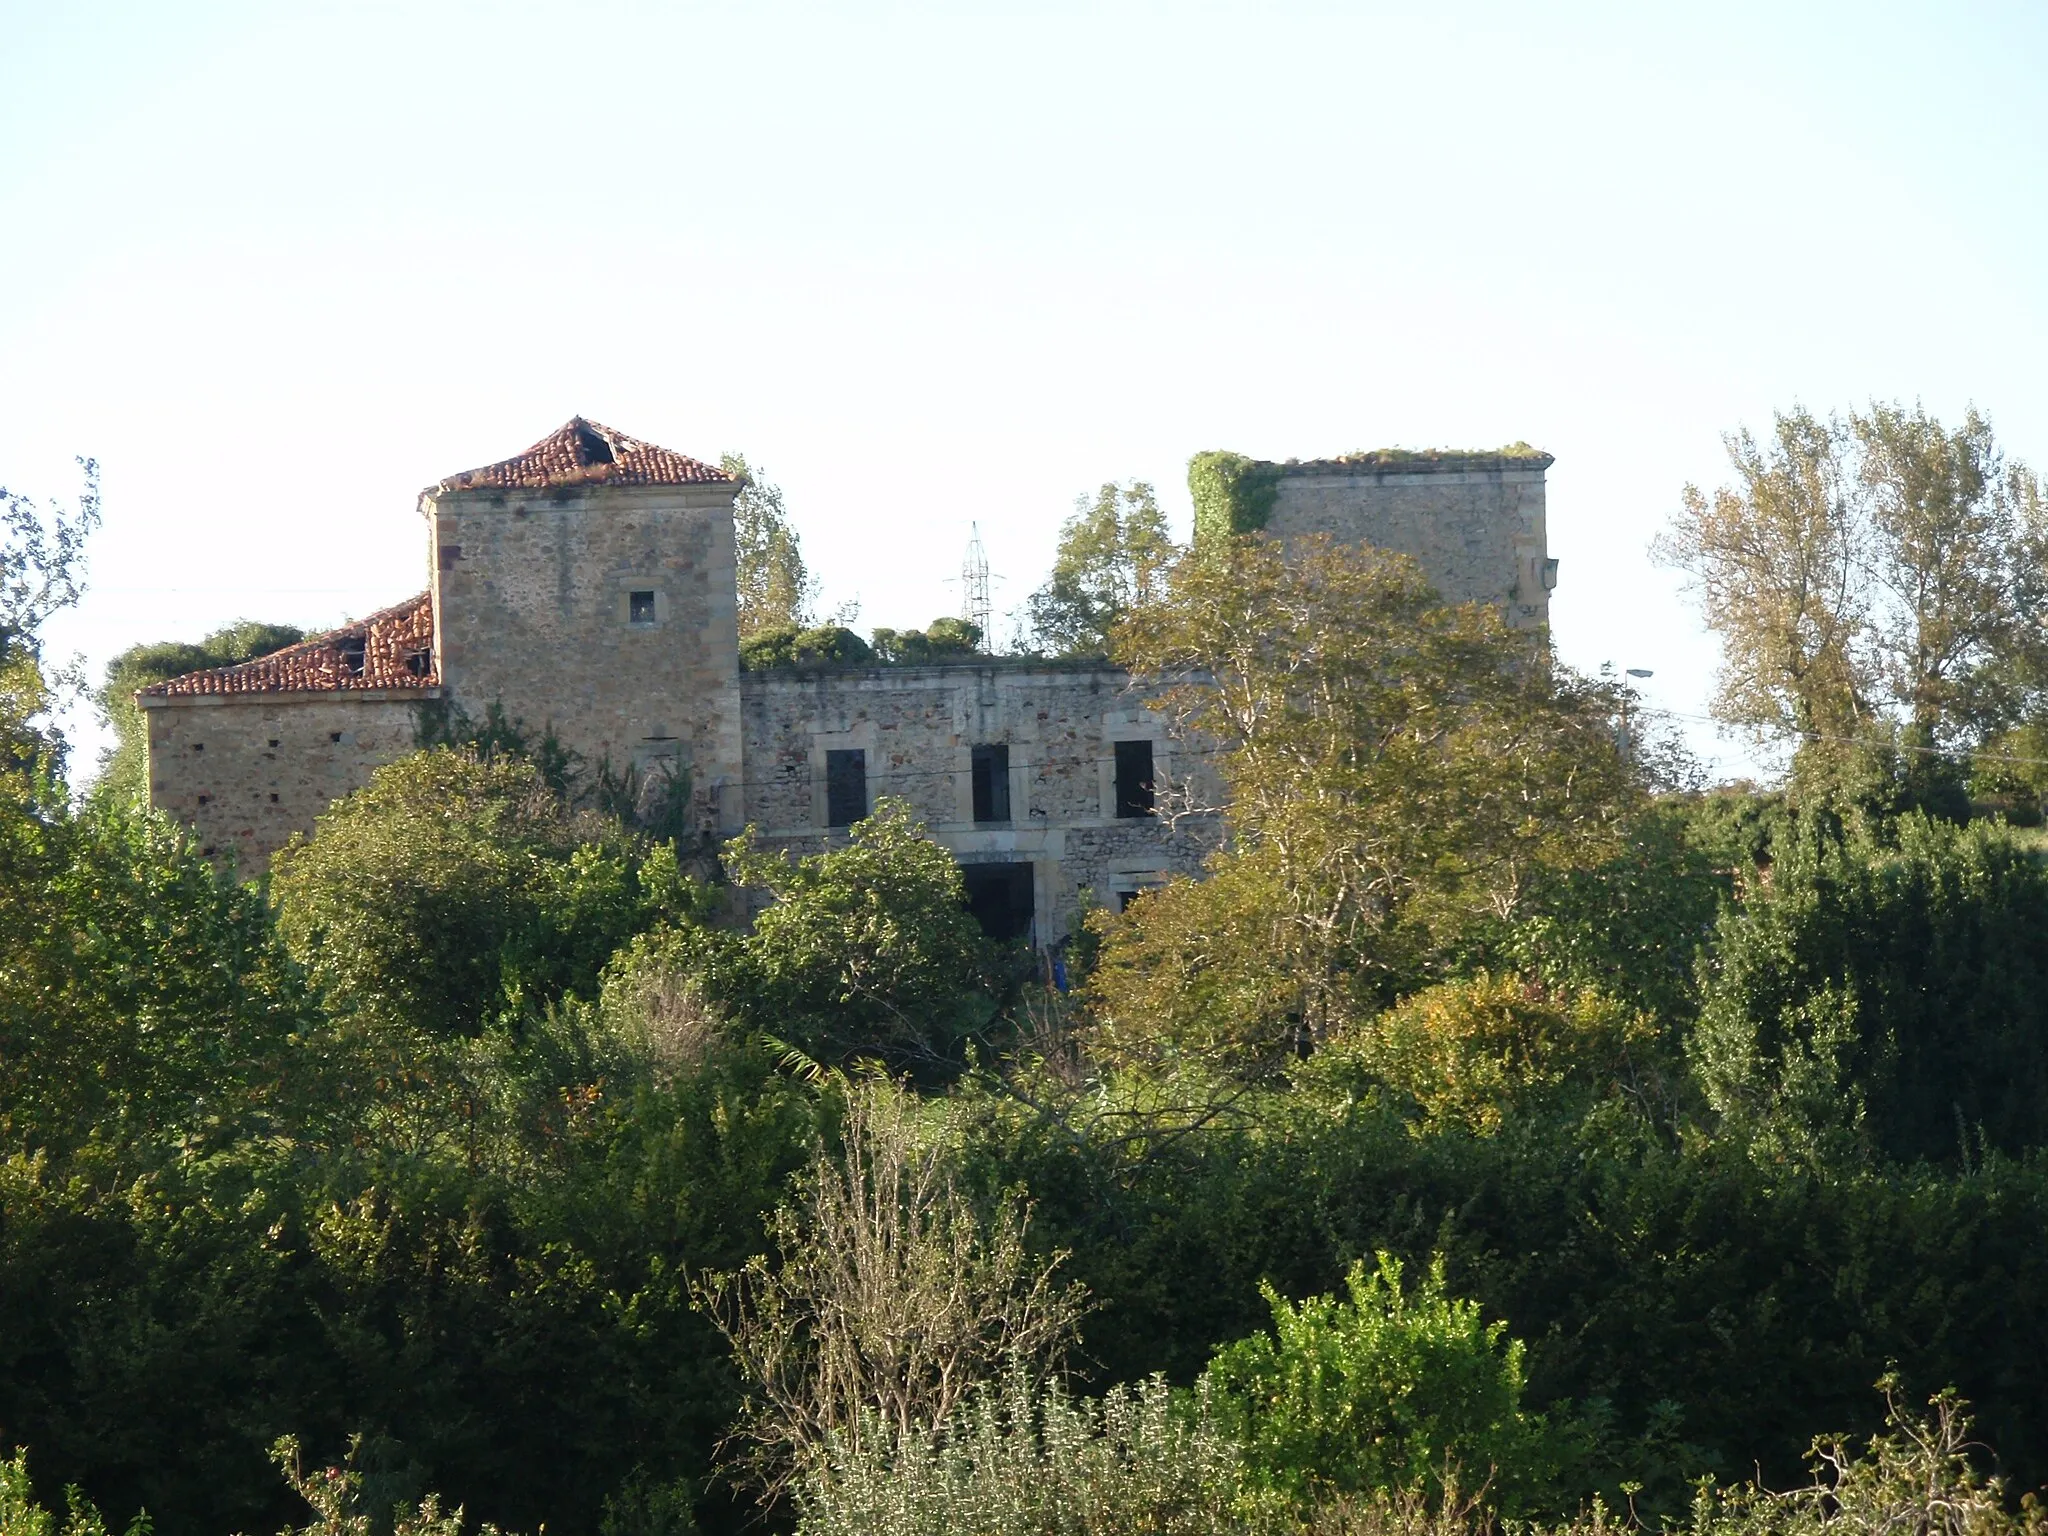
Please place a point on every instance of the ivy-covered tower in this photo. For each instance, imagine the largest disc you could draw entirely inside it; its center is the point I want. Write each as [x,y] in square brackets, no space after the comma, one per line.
[1475,521]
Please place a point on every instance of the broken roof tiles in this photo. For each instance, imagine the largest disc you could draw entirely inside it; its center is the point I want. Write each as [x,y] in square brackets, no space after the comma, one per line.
[586,453]
[393,648]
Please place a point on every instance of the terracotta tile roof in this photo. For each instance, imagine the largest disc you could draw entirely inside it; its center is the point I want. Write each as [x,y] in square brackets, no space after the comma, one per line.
[393,648]
[587,453]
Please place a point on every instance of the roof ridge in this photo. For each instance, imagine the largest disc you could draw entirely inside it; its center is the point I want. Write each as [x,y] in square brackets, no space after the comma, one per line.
[586,452]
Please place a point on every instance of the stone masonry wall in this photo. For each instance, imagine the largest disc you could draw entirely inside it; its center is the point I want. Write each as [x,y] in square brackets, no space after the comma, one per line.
[532,610]
[246,771]
[918,727]
[1475,522]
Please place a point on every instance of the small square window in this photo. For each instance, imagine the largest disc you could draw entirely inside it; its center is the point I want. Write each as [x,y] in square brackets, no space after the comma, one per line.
[335,737]
[273,741]
[273,799]
[198,746]
[640,607]
[205,799]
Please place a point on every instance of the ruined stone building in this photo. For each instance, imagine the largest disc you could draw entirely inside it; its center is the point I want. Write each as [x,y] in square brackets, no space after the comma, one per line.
[589,584]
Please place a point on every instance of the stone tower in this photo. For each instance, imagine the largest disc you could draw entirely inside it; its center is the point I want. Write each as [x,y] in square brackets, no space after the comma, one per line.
[1475,522]
[587,586]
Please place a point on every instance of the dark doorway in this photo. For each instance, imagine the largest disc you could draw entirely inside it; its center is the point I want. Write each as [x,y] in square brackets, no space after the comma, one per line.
[992,783]
[1001,898]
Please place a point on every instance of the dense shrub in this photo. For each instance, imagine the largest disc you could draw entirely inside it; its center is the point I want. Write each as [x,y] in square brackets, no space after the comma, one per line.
[1384,1389]
[454,886]
[1884,993]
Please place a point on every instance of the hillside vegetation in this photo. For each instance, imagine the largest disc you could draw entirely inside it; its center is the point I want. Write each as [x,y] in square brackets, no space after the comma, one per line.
[1506,1133]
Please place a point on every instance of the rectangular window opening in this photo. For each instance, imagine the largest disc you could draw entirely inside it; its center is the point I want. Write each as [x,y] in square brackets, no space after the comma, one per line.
[1134,778]
[640,607]
[846,786]
[992,783]
[1001,898]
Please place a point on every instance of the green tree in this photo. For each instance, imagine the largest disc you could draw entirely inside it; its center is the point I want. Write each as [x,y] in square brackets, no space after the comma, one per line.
[1776,559]
[1384,1390]
[42,571]
[451,888]
[1392,770]
[124,767]
[1954,562]
[865,948]
[775,587]
[1114,553]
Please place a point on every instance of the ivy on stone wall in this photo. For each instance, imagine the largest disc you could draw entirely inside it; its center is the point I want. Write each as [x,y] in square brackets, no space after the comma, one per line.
[1233,494]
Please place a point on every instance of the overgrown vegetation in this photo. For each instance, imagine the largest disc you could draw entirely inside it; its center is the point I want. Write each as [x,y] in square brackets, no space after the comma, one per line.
[1495,1136]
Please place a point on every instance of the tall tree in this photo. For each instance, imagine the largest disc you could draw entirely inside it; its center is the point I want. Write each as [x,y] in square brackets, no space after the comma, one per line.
[1774,557]
[775,587]
[42,570]
[1395,767]
[1956,584]
[1114,553]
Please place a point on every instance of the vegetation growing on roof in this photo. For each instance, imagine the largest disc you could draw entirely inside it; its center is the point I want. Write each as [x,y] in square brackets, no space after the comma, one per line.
[946,639]
[1234,494]
[785,645]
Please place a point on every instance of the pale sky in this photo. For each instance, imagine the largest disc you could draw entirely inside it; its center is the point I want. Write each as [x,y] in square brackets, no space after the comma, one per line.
[280,266]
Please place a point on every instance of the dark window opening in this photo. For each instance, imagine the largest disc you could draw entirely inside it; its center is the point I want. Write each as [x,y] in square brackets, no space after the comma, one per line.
[591,448]
[198,746]
[992,783]
[1001,898]
[354,651]
[273,799]
[1125,898]
[273,741]
[846,786]
[417,662]
[640,607]
[1134,778]
[335,737]
[205,799]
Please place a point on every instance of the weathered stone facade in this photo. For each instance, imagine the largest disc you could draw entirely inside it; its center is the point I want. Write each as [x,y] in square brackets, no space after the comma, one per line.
[917,729]
[1475,522]
[588,587]
[247,771]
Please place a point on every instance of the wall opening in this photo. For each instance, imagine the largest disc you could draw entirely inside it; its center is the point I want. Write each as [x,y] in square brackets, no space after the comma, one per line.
[1001,897]
[1134,778]
[846,786]
[640,608]
[992,783]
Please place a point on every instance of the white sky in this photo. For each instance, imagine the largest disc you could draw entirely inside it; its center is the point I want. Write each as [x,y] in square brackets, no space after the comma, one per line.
[280,266]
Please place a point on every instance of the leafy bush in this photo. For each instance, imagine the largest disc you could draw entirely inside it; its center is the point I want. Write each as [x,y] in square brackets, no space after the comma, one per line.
[1019,1462]
[867,947]
[451,887]
[1385,1390]
[787,645]
[942,640]
[1880,998]
[1471,1053]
